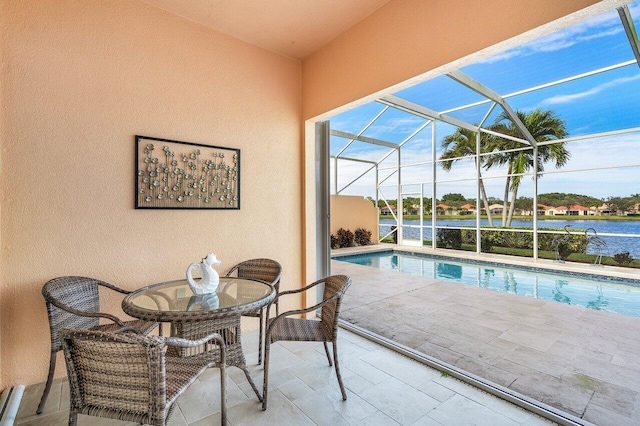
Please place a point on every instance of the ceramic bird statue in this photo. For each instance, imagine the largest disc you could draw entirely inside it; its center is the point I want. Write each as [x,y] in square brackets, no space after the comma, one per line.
[210,278]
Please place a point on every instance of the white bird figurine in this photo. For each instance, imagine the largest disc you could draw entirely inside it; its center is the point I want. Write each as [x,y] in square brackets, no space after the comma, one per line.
[210,278]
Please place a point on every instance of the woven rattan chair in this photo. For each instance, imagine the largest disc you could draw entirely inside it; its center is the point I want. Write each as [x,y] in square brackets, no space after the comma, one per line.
[73,302]
[307,330]
[131,377]
[266,270]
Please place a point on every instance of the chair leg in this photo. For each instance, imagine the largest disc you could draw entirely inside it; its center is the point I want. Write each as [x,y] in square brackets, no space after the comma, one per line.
[266,372]
[260,337]
[335,358]
[326,350]
[251,382]
[47,386]
[223,394]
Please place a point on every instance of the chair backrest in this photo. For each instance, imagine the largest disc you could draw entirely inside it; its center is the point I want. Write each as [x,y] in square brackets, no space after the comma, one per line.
[120,376]
[80,293]
[334,285]
[259,269]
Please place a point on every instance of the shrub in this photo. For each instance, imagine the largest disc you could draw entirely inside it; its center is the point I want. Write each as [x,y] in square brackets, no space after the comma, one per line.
[363,237]
[486,244]
[565,250]
[450,237]
[334,242]
[623,258]
[345,238]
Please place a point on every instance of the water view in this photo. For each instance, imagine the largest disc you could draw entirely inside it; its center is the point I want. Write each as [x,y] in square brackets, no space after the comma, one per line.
[615,244]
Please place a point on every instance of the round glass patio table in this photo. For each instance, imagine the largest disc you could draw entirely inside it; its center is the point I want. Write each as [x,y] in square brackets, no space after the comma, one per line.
[174,301]
[196,316]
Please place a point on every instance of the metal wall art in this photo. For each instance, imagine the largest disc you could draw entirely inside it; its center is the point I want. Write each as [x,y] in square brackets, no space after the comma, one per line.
[184,175]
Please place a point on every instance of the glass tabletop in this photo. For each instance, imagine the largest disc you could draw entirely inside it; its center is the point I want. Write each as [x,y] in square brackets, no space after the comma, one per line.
[176,297]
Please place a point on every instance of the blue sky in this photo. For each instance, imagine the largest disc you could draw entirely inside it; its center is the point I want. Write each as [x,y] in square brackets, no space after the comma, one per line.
[604,102]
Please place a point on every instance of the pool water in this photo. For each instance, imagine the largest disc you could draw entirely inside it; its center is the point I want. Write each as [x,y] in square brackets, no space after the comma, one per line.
[590,291]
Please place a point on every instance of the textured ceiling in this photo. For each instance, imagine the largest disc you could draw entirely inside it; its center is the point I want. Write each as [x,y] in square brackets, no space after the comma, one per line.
[294,28]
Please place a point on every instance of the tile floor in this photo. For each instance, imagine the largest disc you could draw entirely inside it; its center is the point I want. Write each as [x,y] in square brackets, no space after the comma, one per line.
[384,388]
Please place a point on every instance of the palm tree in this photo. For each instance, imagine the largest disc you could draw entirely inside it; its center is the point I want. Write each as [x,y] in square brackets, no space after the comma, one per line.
[462,143]
[544,125]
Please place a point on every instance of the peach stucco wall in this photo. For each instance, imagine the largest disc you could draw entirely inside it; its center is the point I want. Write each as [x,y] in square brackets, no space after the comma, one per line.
[352,212]
[78,80]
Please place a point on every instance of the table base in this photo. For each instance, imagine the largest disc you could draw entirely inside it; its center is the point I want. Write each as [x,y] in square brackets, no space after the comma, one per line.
[229,329]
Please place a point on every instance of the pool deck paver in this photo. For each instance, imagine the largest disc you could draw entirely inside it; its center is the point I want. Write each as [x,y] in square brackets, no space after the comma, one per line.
[581,361]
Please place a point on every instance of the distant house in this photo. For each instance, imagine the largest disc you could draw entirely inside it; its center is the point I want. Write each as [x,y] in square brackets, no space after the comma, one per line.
[413,209]
[387,210]
[557,211]
[467,209]
[543,209]
[606,210]
[496,208]
[578,210]
[443,208]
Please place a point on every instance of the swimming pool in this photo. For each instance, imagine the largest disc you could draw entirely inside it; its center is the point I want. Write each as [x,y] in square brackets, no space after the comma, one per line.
[592,291]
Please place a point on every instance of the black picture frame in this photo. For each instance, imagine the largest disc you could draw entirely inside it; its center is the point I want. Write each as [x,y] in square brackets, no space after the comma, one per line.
[174,174]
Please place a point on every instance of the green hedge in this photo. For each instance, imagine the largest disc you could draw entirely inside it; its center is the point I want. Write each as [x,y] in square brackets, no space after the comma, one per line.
[524,240]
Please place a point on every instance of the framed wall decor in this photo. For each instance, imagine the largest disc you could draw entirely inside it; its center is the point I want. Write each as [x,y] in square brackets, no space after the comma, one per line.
[184,175]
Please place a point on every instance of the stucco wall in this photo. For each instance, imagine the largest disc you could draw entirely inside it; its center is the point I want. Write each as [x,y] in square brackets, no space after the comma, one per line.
[352,212]
[79,80]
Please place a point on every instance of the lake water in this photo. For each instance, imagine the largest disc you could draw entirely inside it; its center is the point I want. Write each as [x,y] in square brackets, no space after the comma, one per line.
[614,244]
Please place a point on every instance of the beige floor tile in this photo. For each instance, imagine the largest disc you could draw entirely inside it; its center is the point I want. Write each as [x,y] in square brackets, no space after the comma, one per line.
[326,407]
[436,391]
[400,367]
[561,394]
[399,401]
[604,417]
[384,388]
[459,410]
[533,337]
[280,411]
[379,419]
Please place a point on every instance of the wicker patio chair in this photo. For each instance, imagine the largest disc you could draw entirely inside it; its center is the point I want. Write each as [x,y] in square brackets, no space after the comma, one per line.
[308,330]
[73,302]
[266,270]
[132,377]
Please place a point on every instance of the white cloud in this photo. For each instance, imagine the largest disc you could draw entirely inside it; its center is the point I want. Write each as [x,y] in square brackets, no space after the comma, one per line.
[604,25]
[565,99]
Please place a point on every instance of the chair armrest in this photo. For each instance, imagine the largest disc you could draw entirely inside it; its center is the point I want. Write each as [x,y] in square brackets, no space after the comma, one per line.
[289,292]
[187,343]
[232,270]
[300,290]
[179,342]
[114,288]
[126,329]
[67,308]
[302,311]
